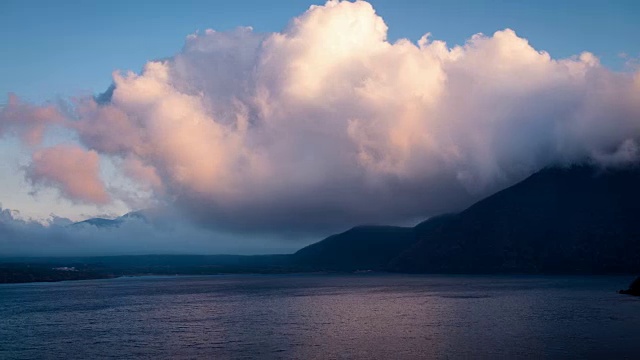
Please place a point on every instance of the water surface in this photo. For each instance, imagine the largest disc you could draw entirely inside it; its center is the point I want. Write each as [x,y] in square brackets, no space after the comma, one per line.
[320,316]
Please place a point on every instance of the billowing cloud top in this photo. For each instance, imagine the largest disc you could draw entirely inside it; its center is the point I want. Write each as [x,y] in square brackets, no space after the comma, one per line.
[327,124]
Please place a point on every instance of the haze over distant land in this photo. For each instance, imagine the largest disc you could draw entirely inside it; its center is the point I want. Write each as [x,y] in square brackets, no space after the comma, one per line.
[247,142]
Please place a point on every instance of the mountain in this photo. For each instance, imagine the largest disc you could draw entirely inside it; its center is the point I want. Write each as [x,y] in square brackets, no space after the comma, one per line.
[634,288]
[579,219]
[99,222]
[360,248]
[106,223]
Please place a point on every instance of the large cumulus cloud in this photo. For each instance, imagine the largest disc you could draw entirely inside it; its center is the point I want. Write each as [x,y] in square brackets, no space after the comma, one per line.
[327,124]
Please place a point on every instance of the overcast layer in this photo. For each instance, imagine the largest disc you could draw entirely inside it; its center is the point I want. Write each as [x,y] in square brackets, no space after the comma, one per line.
[326,125]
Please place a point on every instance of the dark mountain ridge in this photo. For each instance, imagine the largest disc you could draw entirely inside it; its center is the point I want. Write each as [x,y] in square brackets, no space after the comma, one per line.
[106,223]
[580,219]
[360,248]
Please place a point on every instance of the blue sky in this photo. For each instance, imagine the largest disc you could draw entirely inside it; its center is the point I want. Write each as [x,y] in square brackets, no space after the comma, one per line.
[63,48]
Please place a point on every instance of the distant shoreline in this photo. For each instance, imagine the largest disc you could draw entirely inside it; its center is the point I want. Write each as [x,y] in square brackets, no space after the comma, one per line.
[55,276]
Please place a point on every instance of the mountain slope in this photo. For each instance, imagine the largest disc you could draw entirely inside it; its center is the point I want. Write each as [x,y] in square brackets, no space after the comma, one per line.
[360,248]
[579,219]
[107,223]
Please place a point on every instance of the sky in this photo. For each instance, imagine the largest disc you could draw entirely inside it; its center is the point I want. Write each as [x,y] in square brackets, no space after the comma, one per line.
[289,120]
[65,48]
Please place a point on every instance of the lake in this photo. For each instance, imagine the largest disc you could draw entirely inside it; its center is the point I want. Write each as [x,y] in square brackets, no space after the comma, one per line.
[368,316]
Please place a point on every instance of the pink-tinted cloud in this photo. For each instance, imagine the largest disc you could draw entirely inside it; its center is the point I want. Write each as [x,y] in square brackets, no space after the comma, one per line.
[26,120]
[146,175]
[72,170]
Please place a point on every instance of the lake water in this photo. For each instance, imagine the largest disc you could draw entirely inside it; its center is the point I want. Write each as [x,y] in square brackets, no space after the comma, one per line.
[321,317]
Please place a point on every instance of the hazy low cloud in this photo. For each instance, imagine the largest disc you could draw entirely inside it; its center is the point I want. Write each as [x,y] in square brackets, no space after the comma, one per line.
[133,236]
[326,124]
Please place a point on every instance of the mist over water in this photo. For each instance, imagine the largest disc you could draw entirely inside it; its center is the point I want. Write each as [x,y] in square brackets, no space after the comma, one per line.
[320,316]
